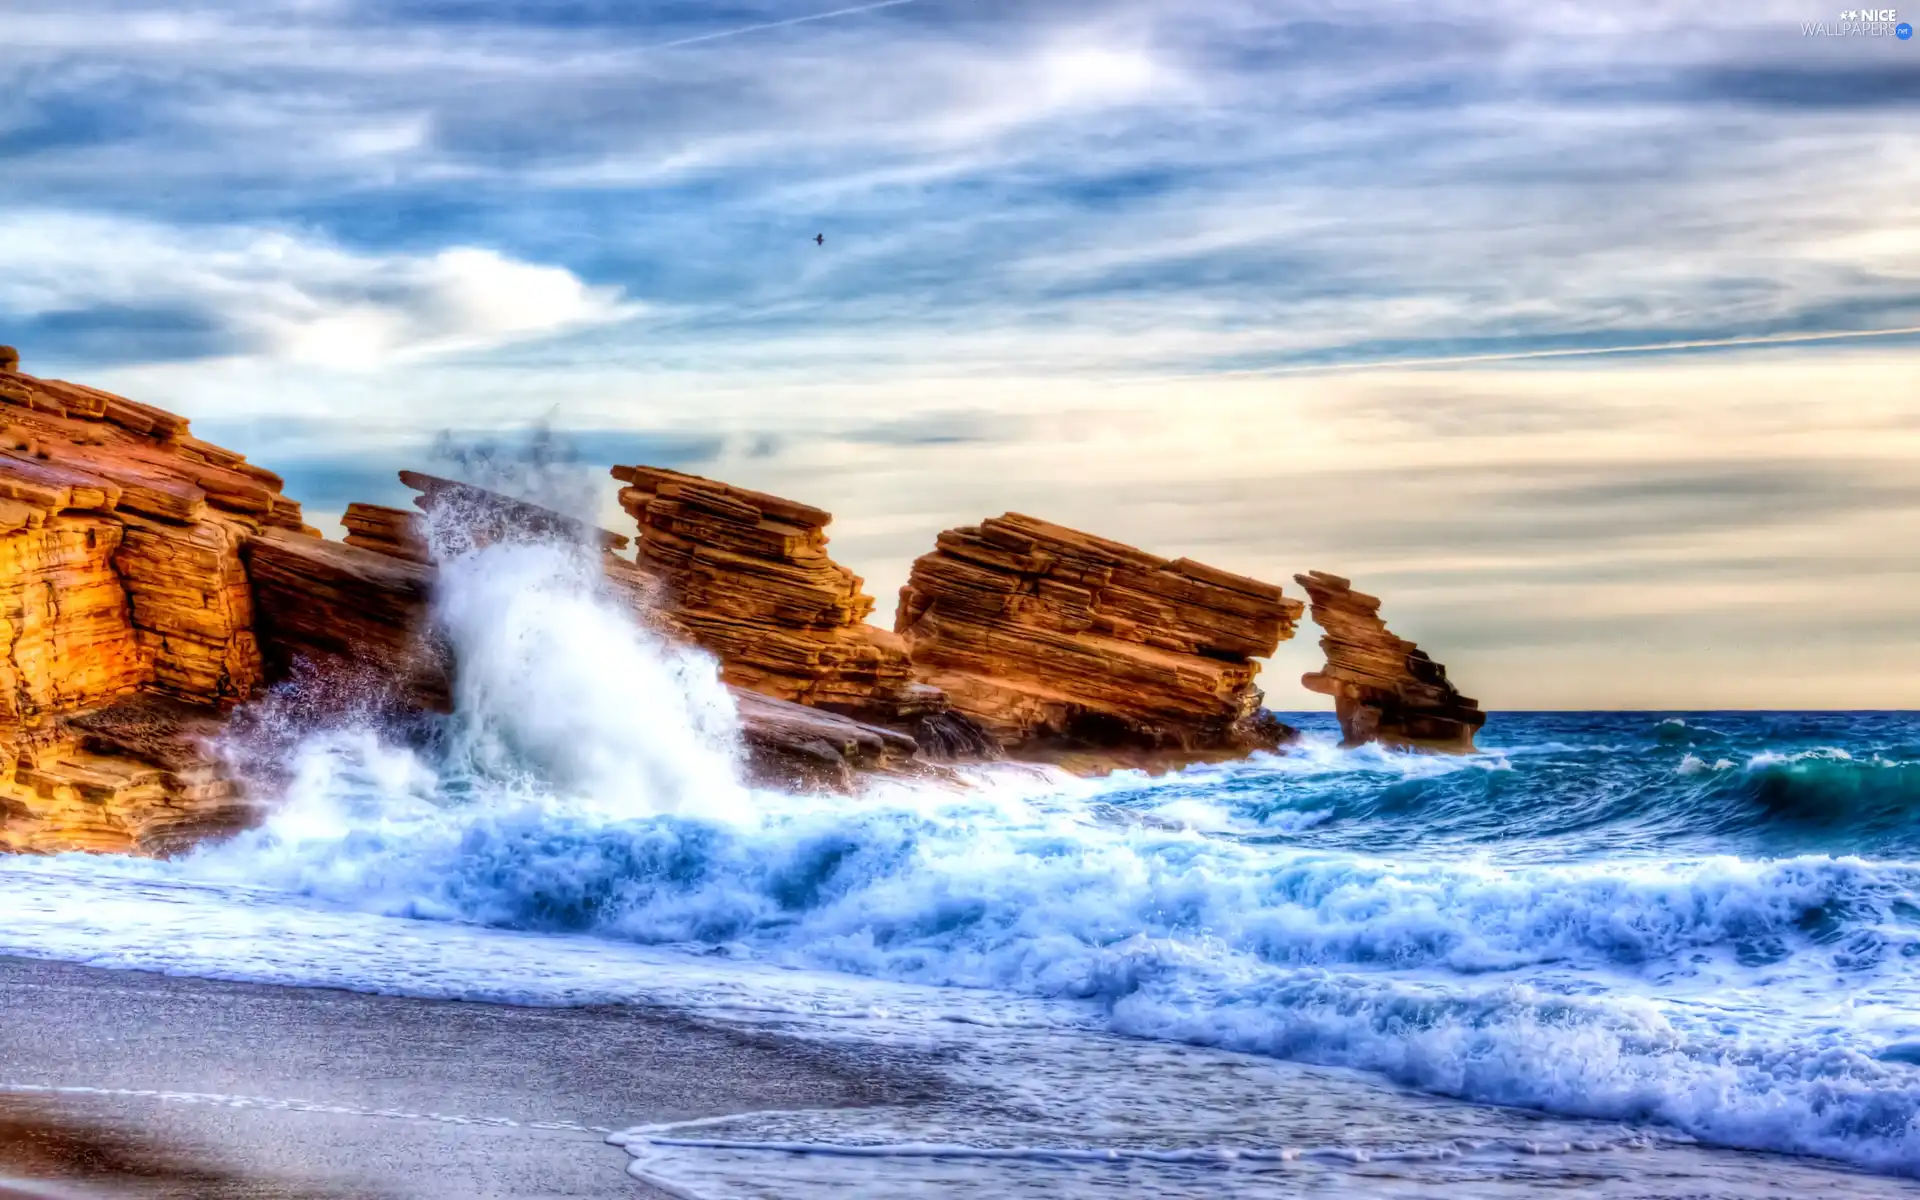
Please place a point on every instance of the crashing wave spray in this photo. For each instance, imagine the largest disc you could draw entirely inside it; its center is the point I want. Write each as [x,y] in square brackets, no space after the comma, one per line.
[557,680]
[565,701]
[556,684]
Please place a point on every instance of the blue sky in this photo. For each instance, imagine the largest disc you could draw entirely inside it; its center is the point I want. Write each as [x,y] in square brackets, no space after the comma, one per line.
[1139,265]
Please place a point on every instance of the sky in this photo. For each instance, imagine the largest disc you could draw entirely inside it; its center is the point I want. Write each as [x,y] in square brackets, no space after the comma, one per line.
[1365,288]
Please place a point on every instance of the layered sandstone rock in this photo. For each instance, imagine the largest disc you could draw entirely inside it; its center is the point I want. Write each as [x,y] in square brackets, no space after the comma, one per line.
[394,532]
[355,615]
[793,746]
[748,576]
[150,581]
[355,621]
[1056,639]
[121,574]
[1384,688]
[137,777]
[472,516]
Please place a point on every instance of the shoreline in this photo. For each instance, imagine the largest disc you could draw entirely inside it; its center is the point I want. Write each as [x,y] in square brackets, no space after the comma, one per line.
[130,1085]
[270,1092]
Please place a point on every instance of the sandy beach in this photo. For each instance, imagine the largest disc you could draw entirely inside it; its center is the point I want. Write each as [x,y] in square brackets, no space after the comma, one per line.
[296,1092]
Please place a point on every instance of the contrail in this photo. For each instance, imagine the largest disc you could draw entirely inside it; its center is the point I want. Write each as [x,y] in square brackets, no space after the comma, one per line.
[1387,364]
[745,29]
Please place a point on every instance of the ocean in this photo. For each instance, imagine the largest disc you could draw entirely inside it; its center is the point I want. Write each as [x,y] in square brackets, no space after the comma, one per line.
[1631,954]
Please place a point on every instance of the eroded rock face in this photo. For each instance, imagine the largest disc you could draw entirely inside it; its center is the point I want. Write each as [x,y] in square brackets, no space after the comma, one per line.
[1384,688]
[138,776]
[475,516]
[748,576]
[1056,639]
[792,746]
[121,584]
[150,582]
[356,615]
[356,619]
[394,532]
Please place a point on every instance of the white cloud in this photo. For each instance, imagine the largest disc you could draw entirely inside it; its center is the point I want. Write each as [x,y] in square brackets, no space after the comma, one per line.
[297,298]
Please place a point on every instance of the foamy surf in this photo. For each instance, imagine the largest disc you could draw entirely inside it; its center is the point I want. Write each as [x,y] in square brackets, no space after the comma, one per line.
[1578,924]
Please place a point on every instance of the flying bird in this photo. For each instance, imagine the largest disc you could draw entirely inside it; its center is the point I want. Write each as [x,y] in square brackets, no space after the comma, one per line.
[819,239]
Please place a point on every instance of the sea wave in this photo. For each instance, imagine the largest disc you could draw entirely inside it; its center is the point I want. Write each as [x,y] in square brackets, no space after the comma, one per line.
[1009,890]
[1573,923]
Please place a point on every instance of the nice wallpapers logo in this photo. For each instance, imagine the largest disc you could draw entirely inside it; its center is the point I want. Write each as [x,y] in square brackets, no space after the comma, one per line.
[1861,22]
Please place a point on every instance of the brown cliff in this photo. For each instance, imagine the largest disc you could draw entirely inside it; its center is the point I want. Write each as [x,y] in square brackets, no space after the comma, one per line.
[1055,639]
[354,620]
[1384,688]
[125,605]
[748,576]
[394,532]
[150,582]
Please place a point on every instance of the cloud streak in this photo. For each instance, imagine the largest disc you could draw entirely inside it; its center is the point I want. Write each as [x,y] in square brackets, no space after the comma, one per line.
[764,26]
[1390,364]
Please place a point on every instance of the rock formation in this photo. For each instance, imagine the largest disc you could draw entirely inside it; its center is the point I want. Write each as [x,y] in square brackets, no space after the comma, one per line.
[127,614]
[474,516]
[356,617]
[1384,688]
[150,582]
[748,576]
[394,532]
[1058,640]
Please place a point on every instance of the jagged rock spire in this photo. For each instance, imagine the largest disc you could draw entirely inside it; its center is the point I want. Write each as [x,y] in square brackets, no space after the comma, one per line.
[1384,687]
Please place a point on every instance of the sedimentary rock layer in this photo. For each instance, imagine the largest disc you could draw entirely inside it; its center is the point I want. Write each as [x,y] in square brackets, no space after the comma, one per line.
[791,745]
[475,516]
[136,777]
[394,532]
[121,574]
[1384,687]
[150,581]
[1044,634]
[748,576]
[357,618]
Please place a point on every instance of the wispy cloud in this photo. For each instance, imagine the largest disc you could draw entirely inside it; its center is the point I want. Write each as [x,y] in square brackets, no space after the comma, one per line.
[303,300]
[784,23]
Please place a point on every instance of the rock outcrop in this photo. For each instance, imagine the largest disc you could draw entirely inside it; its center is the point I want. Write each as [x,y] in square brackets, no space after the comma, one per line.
[1384,688]
[748,576]
[150,582]
[355,618]
[138,776]
[346,607]
[1056,641]
[394,532]
[792,746]
[124,602]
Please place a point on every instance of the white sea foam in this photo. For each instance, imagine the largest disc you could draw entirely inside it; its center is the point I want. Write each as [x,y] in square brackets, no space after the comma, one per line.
[1695,765]
[1772,758]
[560,689]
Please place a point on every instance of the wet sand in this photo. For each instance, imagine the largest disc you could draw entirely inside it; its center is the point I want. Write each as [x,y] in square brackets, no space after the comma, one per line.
[146,1087]
[269,1093]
